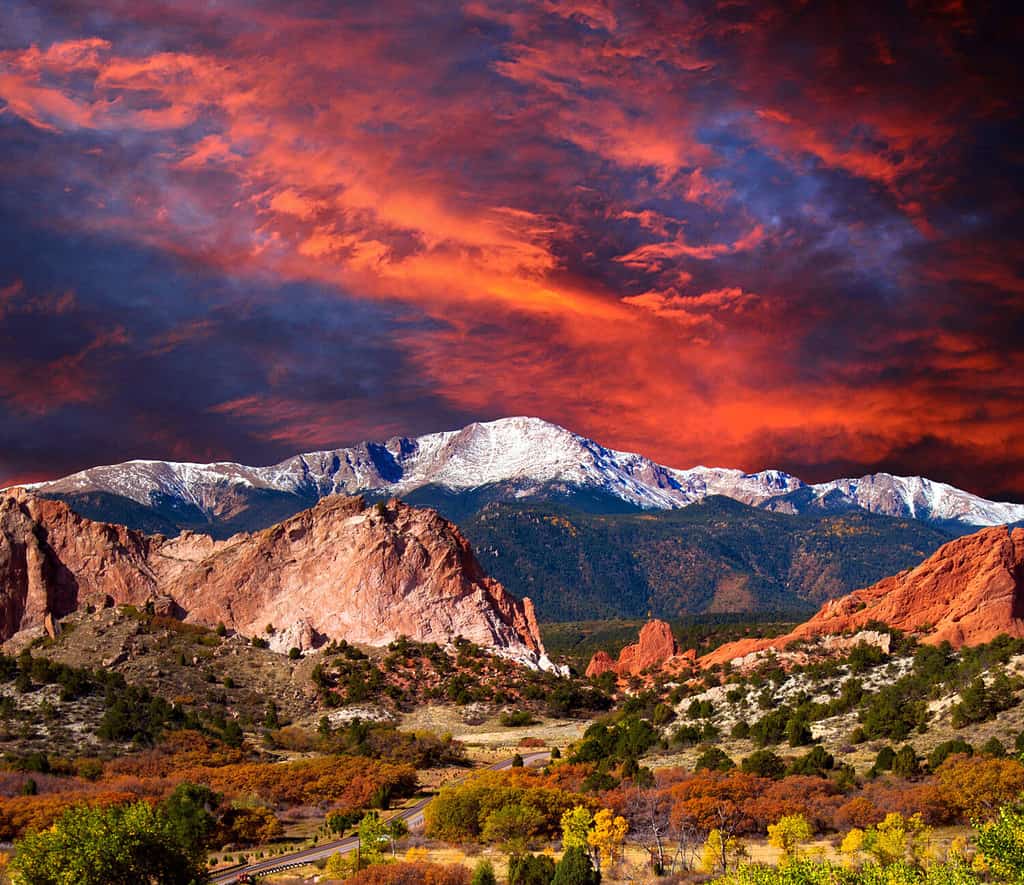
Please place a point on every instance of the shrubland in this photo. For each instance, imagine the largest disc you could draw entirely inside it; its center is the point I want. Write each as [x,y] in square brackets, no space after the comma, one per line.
[864,753]
[413,673]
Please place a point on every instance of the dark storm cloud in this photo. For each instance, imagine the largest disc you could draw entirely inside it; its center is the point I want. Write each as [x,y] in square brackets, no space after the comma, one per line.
[742,233]
[190,353]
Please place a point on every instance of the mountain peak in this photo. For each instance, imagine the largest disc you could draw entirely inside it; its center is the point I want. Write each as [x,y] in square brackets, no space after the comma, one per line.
[517,457]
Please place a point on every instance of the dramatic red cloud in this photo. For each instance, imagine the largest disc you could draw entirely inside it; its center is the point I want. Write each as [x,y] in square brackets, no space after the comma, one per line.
[734,234]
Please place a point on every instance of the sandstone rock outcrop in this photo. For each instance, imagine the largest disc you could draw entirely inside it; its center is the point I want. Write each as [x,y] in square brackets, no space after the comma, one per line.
[338,570]
[968,592]
[656,649]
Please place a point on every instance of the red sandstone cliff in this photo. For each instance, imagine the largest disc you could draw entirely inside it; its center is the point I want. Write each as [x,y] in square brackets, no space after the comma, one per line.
[340,569]
[968,592]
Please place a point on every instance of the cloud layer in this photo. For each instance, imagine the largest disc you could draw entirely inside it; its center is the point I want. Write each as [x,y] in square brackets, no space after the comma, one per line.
[732,233]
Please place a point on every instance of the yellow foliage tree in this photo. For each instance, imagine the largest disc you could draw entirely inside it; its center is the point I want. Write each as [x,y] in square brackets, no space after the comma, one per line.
[789,833]
[607,836]
[576,824]
[899,838]
[720,852]
[852,844]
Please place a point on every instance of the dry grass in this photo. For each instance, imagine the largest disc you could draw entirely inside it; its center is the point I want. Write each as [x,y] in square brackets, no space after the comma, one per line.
[487,741]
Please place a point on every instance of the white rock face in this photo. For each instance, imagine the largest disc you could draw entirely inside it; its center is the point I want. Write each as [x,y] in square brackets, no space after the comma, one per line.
[527,453]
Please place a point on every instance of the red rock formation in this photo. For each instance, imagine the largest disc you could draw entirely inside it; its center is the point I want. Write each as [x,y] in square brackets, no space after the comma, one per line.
[52,560]
[656,650]
[968,592]
[601,663]
[340,570]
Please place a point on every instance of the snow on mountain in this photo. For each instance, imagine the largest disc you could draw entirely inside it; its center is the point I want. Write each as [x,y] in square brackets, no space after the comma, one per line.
[527,454]
[920,498]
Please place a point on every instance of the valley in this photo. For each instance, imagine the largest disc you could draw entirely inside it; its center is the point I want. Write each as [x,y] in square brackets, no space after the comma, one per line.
[366,692]
[720,728]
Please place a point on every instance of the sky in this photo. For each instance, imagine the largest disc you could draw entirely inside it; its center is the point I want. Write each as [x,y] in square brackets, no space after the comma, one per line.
[740,234]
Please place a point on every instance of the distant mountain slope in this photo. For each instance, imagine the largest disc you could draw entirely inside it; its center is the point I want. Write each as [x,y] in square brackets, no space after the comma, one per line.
[716,556]
[498,460]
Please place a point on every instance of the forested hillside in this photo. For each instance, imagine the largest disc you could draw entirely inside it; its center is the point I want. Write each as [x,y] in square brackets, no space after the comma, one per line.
[717,556]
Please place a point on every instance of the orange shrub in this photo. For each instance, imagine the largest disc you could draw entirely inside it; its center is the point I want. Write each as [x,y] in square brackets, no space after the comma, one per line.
[178,750]
[341,781]
[411,873]
[858,812]
[23,814]
[712,800]
[975,786]
[816,798]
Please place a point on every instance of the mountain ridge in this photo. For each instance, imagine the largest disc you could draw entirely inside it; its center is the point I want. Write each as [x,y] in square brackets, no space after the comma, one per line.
[513,457]
[716,556]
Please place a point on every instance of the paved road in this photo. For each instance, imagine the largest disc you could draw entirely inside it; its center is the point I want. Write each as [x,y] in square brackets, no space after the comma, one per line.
[413,817]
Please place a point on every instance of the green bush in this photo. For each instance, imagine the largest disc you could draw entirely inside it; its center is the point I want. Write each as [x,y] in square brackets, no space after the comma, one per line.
[483,874]
[946,749]
[764,763]
[575,869]
[530,869]
[714,759]
[817,762]
[516,718]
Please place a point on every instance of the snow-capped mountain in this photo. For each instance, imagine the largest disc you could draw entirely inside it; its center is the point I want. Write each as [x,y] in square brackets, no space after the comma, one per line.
[524,456]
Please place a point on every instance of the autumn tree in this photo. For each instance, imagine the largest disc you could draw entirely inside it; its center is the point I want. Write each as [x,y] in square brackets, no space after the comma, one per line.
[97,846]
[898,838]
[250,825]
[789,833]
[512,826]
[607,836]
[977,786]
[852,844]
[576,824]
[721,851]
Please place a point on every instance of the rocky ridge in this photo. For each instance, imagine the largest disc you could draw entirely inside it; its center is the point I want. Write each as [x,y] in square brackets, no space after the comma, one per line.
[968,592]
[512,457]
[338,570]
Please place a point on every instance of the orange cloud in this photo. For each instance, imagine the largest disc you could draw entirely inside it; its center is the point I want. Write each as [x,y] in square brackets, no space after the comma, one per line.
[573,203]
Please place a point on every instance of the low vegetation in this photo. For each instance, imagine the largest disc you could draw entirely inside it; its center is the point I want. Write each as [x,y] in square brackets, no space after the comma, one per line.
[886,763]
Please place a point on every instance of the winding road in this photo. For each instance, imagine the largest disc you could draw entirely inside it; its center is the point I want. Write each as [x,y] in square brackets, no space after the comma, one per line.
[413,816]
